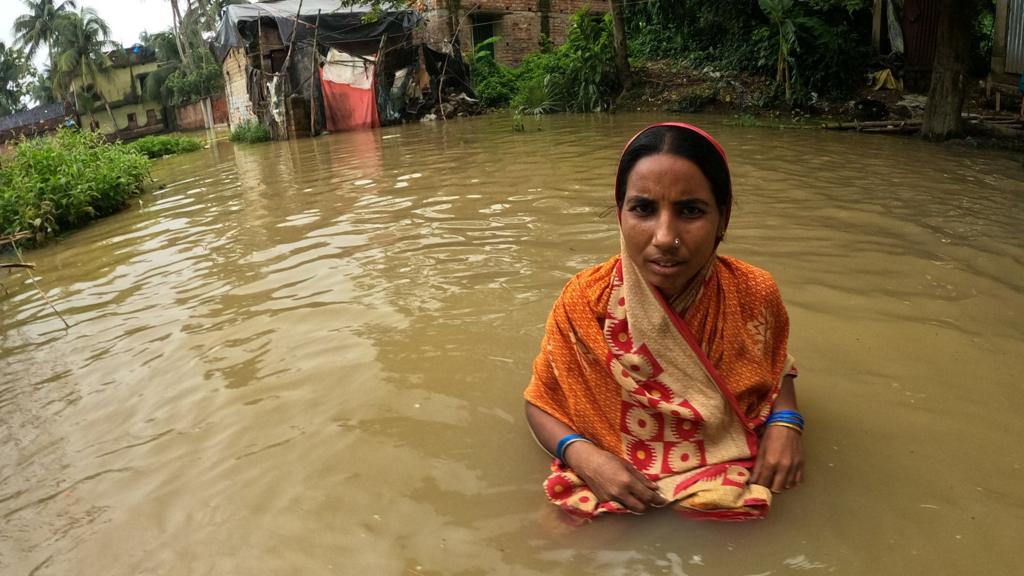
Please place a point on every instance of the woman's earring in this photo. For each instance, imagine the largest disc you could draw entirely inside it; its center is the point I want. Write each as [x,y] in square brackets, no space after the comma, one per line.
[676,242]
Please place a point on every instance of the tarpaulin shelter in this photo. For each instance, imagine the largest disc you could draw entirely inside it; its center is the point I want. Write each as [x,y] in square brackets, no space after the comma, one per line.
[279,61]
[337,23]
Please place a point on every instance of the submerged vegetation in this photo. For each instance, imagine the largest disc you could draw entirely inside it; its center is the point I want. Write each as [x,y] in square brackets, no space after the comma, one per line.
[163,145]
[57,183]
[249,132]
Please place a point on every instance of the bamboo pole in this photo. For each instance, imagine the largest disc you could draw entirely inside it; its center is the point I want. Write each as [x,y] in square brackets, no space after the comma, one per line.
[312,82]
[14,237]
[28,268]
[291,40]
[259,43]
[862,126]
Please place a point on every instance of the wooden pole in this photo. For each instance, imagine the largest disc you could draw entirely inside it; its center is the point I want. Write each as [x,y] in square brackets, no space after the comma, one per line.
[291,40]
[259,43]
[313,81]
[36,284]
[877,15]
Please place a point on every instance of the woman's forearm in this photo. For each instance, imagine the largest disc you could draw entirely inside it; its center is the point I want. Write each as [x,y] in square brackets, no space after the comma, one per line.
[547,429]
[786,399]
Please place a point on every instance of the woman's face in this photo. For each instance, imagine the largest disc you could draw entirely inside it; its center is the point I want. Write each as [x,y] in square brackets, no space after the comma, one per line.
[669,221]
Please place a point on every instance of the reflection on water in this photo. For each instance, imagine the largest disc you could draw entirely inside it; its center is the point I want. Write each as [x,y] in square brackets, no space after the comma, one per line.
[308,358]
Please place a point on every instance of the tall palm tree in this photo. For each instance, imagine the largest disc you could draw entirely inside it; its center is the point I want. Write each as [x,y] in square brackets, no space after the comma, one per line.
[42,88]
[15,68]
[169,61]
[203,16]
[39,25]
[82,39]
[180,35]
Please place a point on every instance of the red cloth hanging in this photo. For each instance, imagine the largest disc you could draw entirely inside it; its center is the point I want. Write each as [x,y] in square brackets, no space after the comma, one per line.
[347,83]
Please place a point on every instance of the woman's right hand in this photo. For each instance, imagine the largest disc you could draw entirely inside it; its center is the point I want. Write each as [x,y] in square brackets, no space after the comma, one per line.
[612,478]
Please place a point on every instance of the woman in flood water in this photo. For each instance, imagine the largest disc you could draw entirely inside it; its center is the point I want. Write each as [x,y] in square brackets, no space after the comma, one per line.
[663,377]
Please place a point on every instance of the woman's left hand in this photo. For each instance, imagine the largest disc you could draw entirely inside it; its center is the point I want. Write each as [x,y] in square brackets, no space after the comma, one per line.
[779,464]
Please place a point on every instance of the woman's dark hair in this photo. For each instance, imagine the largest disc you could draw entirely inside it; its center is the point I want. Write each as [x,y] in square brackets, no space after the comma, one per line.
[682,142]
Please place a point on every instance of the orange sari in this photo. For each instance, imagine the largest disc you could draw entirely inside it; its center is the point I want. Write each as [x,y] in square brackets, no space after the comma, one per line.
[677,397]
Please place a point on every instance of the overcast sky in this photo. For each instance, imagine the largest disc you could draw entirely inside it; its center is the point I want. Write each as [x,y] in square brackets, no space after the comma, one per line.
[126,18]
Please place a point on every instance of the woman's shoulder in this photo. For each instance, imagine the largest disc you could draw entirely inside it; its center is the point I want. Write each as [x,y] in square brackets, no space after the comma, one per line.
[592,285]
[746,276]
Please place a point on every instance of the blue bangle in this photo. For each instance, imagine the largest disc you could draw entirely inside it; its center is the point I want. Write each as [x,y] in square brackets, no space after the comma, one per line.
[564,443]
[786,416]
[774,418]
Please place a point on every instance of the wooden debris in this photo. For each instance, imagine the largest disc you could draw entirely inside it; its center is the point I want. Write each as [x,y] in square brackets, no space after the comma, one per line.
[27,267]
[872,126]
[992,126]
[14,238]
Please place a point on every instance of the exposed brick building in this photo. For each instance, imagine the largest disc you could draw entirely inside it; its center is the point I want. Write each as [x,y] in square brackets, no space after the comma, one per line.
[520,24]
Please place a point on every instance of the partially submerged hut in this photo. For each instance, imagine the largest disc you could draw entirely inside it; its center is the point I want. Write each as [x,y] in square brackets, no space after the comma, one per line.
[305,66]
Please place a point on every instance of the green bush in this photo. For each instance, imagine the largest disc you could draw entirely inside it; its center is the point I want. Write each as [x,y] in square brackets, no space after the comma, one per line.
[250,131]
[578,76]
[161,145]
[60,182]
[823,44]
[586,76]
[187,85]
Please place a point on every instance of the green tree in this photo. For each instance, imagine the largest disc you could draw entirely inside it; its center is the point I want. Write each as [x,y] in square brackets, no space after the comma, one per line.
[41,89]
[203,16]
[15,68]
[169,61]
[39,26]
[82,40]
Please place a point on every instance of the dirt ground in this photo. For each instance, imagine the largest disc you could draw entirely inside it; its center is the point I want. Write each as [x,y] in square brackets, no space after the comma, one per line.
[673,86]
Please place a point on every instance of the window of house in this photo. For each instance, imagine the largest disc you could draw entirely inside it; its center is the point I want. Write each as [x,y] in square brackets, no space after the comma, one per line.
[485,27]
[142,81]
[132,120]
[151,117]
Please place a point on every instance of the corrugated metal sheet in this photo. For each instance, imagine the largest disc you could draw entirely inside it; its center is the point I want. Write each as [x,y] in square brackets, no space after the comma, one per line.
[1015,38]
[32,116]
[920,32]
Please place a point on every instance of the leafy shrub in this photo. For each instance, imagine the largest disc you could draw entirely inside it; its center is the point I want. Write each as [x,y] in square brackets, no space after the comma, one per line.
[187,85]
[161,145]
[537,95]
[578,76]
[61,182]
[250,131]
[587,77]
[823,44]
[494,84]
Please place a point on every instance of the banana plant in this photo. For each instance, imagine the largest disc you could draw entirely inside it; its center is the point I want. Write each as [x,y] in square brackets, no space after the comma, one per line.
[783,22]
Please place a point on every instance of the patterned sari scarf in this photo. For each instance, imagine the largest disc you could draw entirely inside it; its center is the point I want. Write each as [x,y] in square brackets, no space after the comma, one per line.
[676,389]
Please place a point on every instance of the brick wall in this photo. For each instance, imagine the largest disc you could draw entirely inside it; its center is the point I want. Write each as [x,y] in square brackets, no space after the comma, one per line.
[517,22]
[235,91]
[190,117]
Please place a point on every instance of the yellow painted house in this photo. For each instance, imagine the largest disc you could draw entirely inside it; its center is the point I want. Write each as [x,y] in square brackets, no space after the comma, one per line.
[121,87]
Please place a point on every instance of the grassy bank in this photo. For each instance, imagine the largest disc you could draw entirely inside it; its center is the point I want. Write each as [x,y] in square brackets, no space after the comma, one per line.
[161,145]
[58,183]
[250,132]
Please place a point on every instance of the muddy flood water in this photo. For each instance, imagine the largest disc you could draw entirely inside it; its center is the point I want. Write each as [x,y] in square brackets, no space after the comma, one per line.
[308,358]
